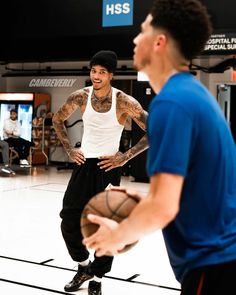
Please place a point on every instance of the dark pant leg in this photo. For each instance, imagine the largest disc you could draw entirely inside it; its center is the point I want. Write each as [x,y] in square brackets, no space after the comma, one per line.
[71,233]
[101,265]
[24,145]
[192,282]
[216,279]
[5,151]
[74,200]
[86,181]
[21,145]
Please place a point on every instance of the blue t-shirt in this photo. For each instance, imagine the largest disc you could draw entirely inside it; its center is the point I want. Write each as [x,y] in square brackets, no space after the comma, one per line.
[189,136]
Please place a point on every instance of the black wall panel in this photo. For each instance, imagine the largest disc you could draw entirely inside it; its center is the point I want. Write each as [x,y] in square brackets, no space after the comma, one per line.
[55,30]
[143,92]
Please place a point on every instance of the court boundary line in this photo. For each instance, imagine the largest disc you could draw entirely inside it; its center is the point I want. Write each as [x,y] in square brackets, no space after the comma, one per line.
[34,286]
[129,280]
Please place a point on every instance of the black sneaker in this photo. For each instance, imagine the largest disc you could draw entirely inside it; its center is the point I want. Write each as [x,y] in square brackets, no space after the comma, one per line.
[81,276]
[94,288]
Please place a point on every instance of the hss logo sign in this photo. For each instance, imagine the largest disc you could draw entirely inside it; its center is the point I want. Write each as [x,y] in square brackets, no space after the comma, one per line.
[117,13]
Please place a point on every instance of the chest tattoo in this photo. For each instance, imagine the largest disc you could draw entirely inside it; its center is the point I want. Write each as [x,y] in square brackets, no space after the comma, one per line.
[102,104]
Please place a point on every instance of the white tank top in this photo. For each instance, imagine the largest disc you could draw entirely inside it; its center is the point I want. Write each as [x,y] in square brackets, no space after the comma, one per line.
[102,131]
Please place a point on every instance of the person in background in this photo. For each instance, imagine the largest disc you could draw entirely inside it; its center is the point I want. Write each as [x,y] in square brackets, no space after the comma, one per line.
[191,158]
[5,158]
[11,134]
[105,110]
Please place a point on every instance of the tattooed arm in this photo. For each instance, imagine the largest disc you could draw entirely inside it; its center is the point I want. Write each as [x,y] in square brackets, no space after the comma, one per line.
[76,100]
[139,115]
[127,106]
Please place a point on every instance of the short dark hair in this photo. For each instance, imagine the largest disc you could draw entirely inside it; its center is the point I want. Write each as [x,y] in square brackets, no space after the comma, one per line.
[187,22]
[105,58]
[13,111]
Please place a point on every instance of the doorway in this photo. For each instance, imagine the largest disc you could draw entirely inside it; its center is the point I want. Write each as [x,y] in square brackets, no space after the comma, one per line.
[226,96]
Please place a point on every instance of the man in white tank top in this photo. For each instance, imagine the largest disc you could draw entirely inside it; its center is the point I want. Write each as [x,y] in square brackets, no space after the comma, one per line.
[104,112]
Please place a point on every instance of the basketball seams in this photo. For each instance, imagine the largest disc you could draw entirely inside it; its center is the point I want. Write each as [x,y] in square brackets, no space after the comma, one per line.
[90,207]
[84,216]
[115,211]
[97,212]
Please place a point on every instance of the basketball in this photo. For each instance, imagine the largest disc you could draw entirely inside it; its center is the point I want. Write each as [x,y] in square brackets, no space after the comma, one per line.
[114,205]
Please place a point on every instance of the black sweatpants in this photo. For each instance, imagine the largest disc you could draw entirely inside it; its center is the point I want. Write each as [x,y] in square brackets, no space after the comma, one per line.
[86,181]
[21,145]
[216,279]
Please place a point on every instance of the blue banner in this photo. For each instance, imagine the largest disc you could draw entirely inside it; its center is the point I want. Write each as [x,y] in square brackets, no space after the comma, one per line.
[117,13]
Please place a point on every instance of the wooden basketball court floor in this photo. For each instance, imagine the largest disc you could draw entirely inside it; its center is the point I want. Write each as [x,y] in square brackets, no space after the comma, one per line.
[33,256]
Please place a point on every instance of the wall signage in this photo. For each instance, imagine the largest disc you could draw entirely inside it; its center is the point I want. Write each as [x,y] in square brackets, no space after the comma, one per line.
[117,13]
[52,82]
[221,43]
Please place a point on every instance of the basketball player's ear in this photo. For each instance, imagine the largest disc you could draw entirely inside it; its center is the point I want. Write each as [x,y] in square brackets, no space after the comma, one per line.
[111,76]
[160,41]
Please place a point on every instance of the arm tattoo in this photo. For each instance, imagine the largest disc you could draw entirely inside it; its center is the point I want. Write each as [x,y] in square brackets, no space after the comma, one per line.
[77,99]
[133,108]
[137,149]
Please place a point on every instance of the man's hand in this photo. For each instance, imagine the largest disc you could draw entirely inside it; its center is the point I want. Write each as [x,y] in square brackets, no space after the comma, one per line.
[110,162]
[104,241]
[77,156]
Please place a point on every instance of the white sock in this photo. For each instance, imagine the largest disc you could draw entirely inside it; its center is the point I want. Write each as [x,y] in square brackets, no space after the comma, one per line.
[97,279]
[84,263]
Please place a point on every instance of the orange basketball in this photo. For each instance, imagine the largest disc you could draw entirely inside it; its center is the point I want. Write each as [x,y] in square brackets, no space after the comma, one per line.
[114,205]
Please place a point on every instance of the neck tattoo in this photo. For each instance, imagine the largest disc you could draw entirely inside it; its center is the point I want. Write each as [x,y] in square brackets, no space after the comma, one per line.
[101,98]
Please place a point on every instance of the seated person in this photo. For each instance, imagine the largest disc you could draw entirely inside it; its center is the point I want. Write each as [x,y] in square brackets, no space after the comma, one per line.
[11,134]
[5,158]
